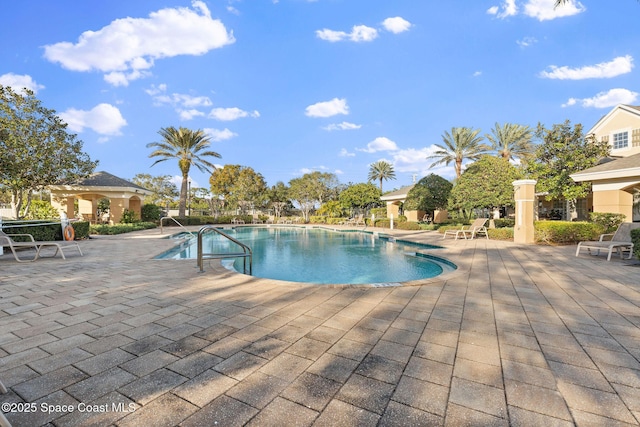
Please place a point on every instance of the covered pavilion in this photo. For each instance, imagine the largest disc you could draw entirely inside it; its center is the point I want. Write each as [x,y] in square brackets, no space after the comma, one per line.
[122,194]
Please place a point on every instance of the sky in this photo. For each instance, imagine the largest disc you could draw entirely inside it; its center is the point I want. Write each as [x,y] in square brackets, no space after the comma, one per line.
[288,87]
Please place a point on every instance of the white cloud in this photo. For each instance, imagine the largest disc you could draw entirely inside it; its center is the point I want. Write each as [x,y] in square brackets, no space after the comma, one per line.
[219,135]
[396,25]
[541,10]
[19,81]
[233,113]
[526,41]
[508,8]
[412,160]
[477,73]
[345,153]
[603,70]
[189,114]
[544,10]
[328,108]
[127,48]
[359,33]
[104,119]
[607,99]
[381,143]
[342,126]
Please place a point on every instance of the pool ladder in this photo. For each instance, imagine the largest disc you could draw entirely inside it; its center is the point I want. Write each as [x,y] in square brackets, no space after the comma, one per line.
[246,250]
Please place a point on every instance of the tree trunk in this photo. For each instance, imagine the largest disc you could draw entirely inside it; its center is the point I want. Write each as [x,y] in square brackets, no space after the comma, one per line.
[183,196]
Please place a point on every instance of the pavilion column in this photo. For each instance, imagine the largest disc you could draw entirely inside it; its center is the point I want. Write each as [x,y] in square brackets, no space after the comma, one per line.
[525,197]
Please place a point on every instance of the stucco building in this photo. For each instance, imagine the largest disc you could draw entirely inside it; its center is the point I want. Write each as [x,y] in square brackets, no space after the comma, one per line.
[616,180]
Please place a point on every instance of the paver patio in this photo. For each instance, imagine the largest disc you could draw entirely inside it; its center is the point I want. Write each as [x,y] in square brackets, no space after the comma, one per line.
[518,335]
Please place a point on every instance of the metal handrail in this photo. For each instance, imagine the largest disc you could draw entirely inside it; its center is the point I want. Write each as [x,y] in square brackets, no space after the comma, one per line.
[246,250]
[176,221]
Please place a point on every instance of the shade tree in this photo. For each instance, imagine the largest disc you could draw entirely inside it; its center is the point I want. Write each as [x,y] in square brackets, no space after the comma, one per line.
[36,149]
[429,194]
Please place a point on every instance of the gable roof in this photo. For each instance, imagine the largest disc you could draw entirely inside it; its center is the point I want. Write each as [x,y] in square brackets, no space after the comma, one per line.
[630,109]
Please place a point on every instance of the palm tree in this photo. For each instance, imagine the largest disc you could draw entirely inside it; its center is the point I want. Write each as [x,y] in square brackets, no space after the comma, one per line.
[462,143]
[188,146]
[511,141]
[381,170]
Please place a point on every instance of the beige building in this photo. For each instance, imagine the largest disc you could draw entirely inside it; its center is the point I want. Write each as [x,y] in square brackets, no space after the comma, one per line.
[616,180]
[395,200]
[122,194]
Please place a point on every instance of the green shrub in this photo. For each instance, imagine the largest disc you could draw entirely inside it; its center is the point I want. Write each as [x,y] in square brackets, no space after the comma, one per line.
[81,229]
[635,239]
[504,233]
[607,220]
[128,217]
[105,229]
[150,212]
[42,209]
[408,226]
[379,212]
[504,222]
[43,231]
[565,232]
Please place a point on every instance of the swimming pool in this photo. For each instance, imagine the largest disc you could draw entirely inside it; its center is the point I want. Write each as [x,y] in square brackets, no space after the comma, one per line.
[321,256]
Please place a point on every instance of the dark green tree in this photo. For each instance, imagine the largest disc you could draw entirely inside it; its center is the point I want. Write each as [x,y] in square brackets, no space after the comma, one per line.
[360,197]
[564,150]
[35,149]
[486,184]
[429,194]
[189,147]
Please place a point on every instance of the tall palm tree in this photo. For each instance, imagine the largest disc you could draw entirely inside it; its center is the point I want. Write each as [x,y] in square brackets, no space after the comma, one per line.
[511,141]
[189,147]
[381,170]
[462,143]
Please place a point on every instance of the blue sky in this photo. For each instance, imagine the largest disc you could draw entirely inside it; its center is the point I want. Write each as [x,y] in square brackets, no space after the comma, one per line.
[292,86]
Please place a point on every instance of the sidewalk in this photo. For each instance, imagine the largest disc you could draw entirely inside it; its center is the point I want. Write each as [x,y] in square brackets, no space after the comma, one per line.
[518,335]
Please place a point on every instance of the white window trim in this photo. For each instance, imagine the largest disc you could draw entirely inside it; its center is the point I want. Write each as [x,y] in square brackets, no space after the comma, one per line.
[629,132]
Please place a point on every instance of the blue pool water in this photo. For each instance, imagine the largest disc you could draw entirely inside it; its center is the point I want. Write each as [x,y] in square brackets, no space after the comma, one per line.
[323,256]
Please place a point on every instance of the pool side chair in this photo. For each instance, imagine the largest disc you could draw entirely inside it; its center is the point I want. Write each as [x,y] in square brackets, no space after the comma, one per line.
[478,227]
[358,220]
[620,241]
[6,240]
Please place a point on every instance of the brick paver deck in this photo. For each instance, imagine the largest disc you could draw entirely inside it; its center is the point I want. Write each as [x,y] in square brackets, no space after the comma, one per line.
[518,335]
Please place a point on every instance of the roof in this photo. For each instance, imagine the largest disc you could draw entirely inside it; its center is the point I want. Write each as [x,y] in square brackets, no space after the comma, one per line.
[632,109]
[619,168]
[105,179]
[398,194]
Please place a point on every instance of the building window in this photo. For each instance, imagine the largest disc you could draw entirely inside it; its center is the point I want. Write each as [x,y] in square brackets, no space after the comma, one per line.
[620,140]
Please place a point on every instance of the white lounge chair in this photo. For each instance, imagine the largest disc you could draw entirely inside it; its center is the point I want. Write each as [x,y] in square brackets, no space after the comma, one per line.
[6,240]
[620,241]
[475,229]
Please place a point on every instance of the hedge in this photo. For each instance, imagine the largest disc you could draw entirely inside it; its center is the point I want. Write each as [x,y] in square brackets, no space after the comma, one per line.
[105,229]
[43,231]
[635,239]
[566,232]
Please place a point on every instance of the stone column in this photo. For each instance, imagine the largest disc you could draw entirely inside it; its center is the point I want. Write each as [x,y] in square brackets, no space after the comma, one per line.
[525,196]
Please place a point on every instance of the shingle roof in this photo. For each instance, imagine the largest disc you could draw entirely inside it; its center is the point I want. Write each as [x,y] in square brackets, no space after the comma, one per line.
[399,193]
[617,164]
[105,179]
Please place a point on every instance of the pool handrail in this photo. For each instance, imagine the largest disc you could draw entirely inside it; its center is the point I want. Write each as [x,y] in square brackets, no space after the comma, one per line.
[246,250]
[176,221]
